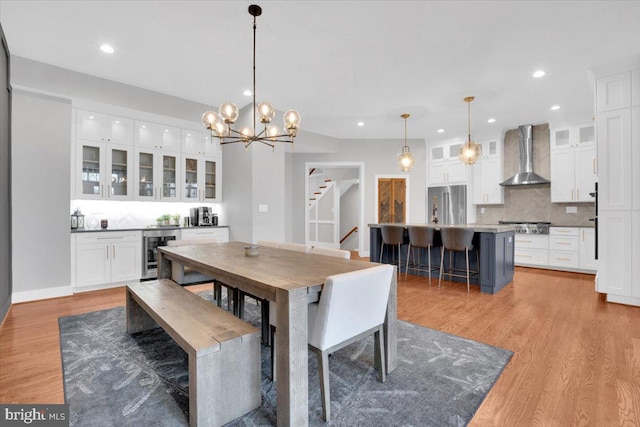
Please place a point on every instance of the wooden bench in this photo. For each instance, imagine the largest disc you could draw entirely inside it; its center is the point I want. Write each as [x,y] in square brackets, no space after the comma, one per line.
[224,351]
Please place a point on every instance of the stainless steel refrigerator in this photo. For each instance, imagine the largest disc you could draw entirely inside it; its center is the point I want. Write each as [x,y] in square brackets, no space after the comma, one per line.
[448,204]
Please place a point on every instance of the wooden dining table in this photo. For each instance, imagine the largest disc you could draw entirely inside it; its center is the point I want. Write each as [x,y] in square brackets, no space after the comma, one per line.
[291,280]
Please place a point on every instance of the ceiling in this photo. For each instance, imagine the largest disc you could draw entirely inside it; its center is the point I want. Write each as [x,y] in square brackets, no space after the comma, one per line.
[341,62]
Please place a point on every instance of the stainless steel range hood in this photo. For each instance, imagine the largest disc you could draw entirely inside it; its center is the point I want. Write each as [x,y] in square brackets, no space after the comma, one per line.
[526,175]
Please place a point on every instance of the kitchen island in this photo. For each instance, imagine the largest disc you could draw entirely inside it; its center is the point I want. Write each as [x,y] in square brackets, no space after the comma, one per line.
[495,244]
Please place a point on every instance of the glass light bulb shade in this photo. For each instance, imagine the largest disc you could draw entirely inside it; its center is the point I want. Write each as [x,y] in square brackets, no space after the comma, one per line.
[247,132]
[291,119]
[273,132]
[405,159]
[265,112]
[469,152]
[229,112]
[220,129]
[209,119]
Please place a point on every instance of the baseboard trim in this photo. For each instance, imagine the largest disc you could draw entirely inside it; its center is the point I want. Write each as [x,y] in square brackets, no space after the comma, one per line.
[38,294]
[621,299]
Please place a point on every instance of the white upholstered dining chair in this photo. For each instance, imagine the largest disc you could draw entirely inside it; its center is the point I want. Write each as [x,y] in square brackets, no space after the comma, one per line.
[352,306]
[338,253]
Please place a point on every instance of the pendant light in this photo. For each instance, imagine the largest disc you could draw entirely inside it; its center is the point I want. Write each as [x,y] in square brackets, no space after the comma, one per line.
[220,123]
[469,151]
[405,159]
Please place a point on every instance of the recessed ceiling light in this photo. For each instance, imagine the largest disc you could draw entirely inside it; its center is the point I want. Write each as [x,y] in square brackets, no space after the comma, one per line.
[360,124]
[247,93]
[555,107]
[539,73]
[106,48]
[491,120]
[440,130]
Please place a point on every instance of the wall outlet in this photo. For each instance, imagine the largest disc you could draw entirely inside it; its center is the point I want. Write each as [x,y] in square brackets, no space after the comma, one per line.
[263,208]
[572,209]
[481,210]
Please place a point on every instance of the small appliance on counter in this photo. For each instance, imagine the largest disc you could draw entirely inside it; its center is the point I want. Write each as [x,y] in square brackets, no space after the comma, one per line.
[203,216]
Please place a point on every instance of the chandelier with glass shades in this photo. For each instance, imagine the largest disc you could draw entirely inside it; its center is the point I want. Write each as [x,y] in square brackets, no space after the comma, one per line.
[469,151]
[220,124]
[405,158]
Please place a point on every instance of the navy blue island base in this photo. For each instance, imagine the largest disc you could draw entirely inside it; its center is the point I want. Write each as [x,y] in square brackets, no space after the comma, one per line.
[496,253]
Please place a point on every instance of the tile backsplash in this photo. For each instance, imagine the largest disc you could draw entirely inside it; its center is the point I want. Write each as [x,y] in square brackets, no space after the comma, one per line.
[532,203]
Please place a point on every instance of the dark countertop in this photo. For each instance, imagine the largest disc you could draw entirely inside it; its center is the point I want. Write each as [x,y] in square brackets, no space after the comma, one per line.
[478,228]
[151,227]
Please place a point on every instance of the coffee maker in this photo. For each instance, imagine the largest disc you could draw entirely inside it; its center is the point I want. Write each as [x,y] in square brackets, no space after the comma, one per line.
[203,216]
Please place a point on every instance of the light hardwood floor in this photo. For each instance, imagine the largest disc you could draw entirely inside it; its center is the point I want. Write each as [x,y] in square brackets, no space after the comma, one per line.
[576,361]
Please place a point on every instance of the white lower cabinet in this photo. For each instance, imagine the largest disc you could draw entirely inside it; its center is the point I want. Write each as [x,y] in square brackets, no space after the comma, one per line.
[107,257]
[221,233]
[588,249]
[532,250]
[564,248]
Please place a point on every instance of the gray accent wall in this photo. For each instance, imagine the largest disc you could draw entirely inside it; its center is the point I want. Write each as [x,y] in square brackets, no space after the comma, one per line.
[5,180]
[41,162]
[532,202]
[49,79]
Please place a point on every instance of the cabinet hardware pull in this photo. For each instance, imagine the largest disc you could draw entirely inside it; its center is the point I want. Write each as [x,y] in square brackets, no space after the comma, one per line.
[578,194]
[107,251]
[593,165]
[109,238]
[563,243]
[563,259]
[571,194]
[114,251]
[523,256]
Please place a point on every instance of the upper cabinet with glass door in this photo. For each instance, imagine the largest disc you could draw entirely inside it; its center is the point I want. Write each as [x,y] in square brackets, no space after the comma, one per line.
[201,179]
[104,171]
[156,175]
[100,127]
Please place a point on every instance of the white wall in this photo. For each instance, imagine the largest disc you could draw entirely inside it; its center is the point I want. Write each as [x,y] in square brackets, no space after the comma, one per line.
[379,157]
[41,127]
[350,217]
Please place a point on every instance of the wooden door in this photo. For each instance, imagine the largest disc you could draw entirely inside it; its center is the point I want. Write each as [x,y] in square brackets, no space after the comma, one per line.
[392,195]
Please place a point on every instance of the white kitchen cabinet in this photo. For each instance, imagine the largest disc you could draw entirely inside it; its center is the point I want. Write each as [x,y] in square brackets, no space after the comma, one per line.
[444,166]
[201,179]
[615,160]
[486,179]
[219,233]
[156,175]
[103,171]
[159,136]
[564,247]
[573,164]
[588,249]
[615,260]
[617,100]
[531,250]
[614,92]
[199,143]
[92,126]
[104,258]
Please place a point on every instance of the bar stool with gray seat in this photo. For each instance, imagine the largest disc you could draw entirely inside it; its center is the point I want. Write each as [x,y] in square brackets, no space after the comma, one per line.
[392,235]
[457,239]
[420,238]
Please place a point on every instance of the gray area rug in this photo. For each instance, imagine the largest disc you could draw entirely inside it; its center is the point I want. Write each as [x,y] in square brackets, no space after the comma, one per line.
[115,379]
